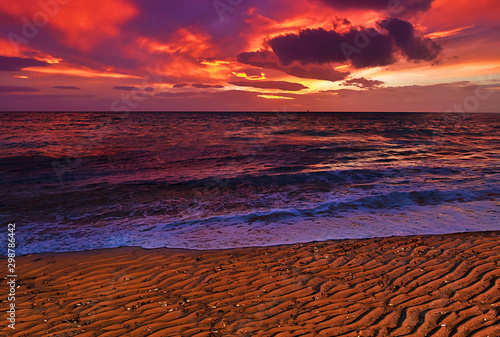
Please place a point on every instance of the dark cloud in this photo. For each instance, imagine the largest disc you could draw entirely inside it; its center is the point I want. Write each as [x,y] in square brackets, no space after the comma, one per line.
[363,82]
[414,47]
[14,88]
[281,85]
[8,63]
[177,94]
[317,72]
[262,58]
[267,59]
[66,87]
[125,88]
[206,86]
[365,47]
[180,85]
[392,6]
[340,23]
[131,88]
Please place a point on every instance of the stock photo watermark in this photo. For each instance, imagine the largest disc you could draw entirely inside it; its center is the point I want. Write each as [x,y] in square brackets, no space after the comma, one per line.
[131,101]
[123,105]
[31,27]
[472,102]
[11,275]
[362,39]
[224,6]
[461,111]
[279,120]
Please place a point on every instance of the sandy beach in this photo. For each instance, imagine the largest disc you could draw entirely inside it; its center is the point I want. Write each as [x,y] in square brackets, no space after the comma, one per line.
[447,285]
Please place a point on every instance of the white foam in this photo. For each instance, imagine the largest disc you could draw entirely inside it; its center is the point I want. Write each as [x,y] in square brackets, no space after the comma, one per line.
[221,232]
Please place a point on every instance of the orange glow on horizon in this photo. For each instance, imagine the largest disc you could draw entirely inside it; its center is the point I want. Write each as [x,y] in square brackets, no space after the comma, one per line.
[274,97]
[78,72]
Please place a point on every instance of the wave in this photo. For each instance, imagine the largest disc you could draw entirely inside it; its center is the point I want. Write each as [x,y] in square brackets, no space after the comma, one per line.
[378,201]
[331,176]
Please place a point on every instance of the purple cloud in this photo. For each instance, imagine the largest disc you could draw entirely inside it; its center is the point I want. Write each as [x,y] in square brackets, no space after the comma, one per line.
[281,85]
[396,6]
[267,59]
[66,87]
[414,47]
[206,86]
[125,88]
[177,94]
[8,63]
[365,47]
[363,83]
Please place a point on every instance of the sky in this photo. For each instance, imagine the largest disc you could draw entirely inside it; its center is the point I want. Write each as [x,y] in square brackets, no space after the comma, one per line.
[250,55]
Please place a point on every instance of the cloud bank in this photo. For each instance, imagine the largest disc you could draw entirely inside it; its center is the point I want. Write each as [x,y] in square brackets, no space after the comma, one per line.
[8,63]
[390,5]
[281,85]
[310,53]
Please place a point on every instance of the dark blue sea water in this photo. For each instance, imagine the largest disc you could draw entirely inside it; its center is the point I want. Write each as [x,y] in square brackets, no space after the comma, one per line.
[75,181]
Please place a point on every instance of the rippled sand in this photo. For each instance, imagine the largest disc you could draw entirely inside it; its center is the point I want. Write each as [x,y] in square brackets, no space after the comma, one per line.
[445,285]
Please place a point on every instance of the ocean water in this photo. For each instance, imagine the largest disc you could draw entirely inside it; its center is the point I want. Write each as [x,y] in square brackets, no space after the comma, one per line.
[76,181]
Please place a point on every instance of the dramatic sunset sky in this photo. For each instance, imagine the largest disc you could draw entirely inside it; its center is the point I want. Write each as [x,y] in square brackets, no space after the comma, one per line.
[250,55]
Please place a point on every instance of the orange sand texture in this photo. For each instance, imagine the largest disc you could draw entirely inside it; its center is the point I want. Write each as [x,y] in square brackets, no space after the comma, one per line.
[412,286]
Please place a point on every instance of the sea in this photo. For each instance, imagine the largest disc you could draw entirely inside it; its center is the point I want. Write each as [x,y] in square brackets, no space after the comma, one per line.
[73,181]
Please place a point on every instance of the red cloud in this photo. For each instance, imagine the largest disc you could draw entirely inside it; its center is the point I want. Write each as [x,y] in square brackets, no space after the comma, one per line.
[80,23]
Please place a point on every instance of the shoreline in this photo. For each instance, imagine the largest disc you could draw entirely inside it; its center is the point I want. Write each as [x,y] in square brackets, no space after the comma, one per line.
[438,285]
[265,231]
[278,245]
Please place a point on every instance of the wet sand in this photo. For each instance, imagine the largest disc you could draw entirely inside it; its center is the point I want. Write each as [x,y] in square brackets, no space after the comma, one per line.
[446,285]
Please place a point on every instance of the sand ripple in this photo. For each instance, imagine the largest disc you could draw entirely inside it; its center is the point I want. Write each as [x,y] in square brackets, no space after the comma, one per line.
[413,286]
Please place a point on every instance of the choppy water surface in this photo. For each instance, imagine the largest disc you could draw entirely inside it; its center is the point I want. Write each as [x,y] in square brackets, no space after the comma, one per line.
[74,181]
